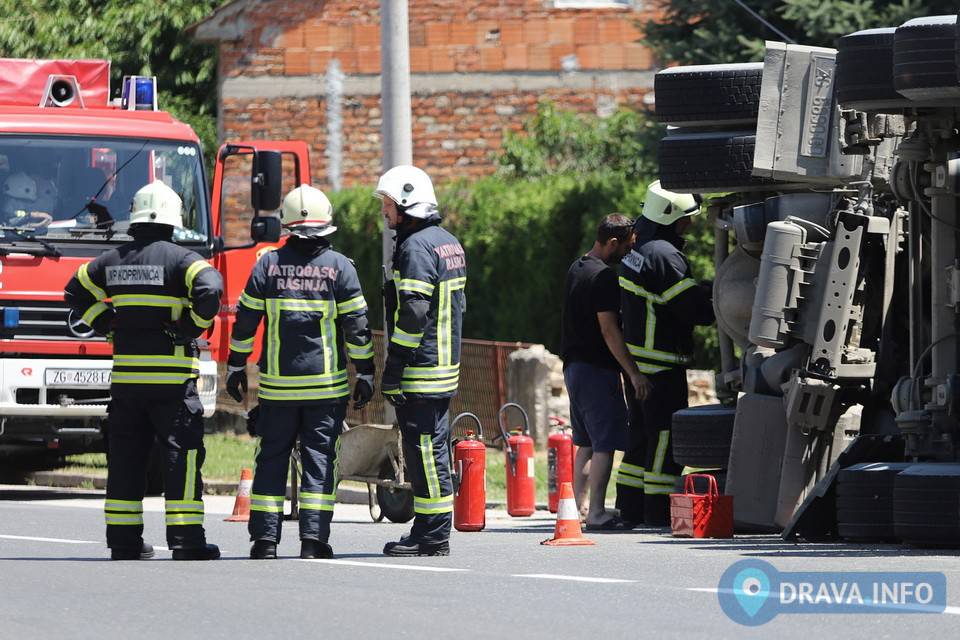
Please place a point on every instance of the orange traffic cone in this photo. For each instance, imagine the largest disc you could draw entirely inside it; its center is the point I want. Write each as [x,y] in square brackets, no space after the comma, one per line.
[567,533]
[241,507]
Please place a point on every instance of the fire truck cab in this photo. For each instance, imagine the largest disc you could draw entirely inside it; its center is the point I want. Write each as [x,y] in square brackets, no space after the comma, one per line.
[71,159]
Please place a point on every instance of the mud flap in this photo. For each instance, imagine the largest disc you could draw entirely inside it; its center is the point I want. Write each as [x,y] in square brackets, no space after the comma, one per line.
[816,518]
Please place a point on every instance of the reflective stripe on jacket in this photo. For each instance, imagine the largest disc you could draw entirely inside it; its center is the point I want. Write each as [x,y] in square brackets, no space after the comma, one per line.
[155,297]
[315,316]
[661,303]
[425,305]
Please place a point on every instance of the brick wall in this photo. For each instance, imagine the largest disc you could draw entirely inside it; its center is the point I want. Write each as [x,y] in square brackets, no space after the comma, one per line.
[456,132]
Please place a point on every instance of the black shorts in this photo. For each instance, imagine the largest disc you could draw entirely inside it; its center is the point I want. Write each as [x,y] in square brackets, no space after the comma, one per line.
[598,409]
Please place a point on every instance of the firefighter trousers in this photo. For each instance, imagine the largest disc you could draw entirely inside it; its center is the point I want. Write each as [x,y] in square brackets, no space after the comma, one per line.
[647,474]
[318,429]
[138,414]
[629,477]
[425,430]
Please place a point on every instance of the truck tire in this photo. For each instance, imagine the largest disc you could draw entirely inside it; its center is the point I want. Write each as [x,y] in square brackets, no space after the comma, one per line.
[709,95]
[701,436]
[865,71]
[710,162]
[865,501]
[396,504]
[925,60]
[926,505]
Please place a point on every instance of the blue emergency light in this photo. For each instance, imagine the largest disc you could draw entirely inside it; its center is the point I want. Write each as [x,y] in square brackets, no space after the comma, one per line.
[11,317]
[139,93]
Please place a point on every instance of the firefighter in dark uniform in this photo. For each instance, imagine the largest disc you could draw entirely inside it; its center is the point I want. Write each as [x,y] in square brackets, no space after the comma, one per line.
[315,315]
[661,305]
[425,302]
[161,298]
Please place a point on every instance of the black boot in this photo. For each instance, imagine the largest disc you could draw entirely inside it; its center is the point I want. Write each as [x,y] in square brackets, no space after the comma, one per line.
[206,552]
[263,550]
[408,547]
[315,550]
[144,553]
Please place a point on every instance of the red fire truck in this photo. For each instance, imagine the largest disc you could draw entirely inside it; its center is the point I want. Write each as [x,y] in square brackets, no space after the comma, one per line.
[71,159]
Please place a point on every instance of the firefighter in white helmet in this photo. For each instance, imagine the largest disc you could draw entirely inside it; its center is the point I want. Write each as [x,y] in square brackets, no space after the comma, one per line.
[425,303]
[315,317]
[162,298]
[661,304]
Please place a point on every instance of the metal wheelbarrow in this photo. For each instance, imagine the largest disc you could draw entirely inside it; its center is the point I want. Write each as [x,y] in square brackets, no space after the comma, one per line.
[369,453]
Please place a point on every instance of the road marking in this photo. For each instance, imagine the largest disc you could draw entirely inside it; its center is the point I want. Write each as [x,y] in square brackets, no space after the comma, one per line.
[63,540]
[384,565]
[954,611]
[552,576]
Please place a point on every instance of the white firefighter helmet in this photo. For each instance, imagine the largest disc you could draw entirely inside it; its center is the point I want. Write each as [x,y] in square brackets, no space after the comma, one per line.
[307,212]
[666,207]
[409,187]
[20,194]
[21,187]
[157,203]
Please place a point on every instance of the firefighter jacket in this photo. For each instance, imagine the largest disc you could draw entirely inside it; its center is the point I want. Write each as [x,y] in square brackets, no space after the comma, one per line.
[154,298]
[425,303]
[661,302]
[315,316]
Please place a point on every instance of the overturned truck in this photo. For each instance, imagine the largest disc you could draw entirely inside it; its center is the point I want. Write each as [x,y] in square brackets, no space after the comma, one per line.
[833,178]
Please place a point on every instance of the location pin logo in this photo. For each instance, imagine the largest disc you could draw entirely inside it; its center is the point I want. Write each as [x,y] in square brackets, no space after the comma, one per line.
[751,588]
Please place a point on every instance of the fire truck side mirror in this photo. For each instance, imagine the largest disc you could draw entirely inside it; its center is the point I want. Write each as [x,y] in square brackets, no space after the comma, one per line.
[265,181]
[265,229]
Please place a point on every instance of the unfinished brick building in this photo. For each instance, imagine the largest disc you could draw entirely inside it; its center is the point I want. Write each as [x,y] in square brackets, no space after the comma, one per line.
[478,68]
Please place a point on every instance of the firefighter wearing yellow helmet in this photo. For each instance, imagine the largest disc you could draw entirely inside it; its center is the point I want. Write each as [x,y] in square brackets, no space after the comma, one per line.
[162,297]
[309,298]
[661,304]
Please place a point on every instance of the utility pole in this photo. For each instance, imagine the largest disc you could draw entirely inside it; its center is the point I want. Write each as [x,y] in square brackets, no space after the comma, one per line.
[395,127]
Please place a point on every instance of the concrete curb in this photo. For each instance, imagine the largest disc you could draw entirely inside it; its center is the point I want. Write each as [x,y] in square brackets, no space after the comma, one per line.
[345,494]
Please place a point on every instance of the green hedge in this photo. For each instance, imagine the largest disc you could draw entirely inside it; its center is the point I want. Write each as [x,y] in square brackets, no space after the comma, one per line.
[524,227]
[520,237]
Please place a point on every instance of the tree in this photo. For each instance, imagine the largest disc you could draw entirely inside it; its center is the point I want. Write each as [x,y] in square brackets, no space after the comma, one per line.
[140,37]
[697,32]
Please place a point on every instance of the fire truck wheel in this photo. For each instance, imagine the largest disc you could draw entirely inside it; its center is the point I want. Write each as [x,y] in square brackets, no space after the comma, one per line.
[865,501]
[865,71]
[925,60]
[710,162]
[926,505]
[395,504]
[701,436]
[156,470]
[716,95]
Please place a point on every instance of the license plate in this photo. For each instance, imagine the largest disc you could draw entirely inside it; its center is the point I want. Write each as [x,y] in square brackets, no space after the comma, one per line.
[95,378]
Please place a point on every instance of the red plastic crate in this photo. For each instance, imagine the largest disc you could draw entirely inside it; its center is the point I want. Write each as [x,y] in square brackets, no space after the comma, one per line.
[701,515]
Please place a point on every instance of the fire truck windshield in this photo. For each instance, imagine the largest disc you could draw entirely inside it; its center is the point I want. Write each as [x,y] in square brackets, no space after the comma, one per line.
[80,188]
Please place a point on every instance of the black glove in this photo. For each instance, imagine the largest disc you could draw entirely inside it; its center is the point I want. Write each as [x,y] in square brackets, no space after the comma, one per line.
[236,380]
[396,398]
[176,335]
[390,385]
[252,416]
[362,391]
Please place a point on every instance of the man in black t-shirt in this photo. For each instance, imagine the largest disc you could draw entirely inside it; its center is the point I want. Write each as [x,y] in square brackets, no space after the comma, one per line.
[594,353]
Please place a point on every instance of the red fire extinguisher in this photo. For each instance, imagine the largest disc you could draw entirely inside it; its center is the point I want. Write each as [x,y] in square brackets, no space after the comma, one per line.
[470,479]
[521,481]
[559,460]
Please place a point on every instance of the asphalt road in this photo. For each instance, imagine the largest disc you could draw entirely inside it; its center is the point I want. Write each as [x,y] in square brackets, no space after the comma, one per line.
[56,582]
